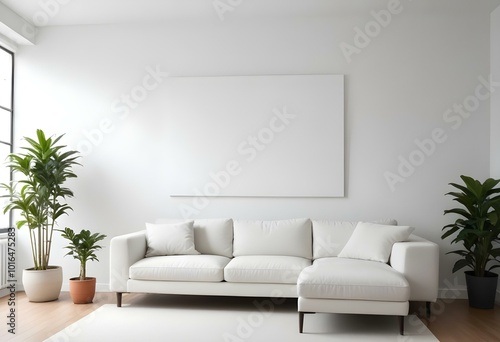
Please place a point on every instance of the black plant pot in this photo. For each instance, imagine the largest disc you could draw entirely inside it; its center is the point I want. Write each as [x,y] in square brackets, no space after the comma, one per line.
[481,290]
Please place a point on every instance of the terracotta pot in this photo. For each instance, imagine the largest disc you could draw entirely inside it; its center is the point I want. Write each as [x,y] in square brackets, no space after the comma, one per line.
[42,285]
[82,291]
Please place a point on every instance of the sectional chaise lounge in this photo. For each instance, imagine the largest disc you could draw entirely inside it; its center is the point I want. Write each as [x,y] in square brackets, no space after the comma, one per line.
[329,266]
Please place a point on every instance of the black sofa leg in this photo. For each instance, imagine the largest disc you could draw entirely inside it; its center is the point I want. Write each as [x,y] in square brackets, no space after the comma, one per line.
[301,322]
[119,299]
[428,309]
[401,325]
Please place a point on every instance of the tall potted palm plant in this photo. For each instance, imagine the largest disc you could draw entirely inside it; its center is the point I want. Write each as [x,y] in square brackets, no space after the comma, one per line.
[478,230]
[40,197]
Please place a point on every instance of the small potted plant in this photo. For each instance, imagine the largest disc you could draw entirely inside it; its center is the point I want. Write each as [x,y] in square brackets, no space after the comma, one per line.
[82,246]
[478,229]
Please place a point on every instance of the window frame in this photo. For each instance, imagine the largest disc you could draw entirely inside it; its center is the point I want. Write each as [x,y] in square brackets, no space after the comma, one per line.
[10,143]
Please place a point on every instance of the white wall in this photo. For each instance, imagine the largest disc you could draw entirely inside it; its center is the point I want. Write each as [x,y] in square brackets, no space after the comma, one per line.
[397,91]
[495,97]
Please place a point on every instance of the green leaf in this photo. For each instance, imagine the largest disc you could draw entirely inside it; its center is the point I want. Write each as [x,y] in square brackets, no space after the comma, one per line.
[82,245]
[461,264]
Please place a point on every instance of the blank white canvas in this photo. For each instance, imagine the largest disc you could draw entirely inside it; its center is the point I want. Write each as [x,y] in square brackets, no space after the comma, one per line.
[269,136]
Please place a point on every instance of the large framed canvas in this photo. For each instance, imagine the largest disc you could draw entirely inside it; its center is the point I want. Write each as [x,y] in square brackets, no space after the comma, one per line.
[266,136]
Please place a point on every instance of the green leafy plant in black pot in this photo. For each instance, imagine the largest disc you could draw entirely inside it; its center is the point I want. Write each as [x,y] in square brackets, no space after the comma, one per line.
[478,230]
[82,246]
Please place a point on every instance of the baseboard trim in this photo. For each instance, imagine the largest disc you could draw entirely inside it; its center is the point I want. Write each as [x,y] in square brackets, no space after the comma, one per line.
[4,292]
[448,295]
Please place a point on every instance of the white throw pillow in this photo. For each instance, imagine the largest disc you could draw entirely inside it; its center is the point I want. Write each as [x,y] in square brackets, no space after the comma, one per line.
[330,236]
[211,236]
[170,239]
[372,241]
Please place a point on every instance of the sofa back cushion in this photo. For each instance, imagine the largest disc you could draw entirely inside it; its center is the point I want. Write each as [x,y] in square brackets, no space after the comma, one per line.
[214,236]
[279,237]
[330,236]
[211,236]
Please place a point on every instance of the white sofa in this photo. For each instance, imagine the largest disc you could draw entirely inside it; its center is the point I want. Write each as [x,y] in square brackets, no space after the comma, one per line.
[323,263]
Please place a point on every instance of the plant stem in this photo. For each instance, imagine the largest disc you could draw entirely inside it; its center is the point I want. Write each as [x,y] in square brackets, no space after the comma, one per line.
[82,270]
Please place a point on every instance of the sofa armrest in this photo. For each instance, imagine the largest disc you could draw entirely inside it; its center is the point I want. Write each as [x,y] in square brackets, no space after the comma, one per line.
[125,250]
[418,260]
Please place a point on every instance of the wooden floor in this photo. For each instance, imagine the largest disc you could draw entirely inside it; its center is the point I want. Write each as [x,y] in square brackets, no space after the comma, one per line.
[453,320]
[450,321]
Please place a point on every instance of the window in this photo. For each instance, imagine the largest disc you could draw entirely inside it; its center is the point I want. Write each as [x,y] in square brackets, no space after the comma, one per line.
[6,126]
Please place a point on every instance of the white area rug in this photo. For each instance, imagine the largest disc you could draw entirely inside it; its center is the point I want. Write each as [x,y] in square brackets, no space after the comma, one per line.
[200,319]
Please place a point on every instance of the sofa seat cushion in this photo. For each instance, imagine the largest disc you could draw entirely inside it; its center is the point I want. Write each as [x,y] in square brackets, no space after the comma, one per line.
[265,269]
[180,268]
[339,278]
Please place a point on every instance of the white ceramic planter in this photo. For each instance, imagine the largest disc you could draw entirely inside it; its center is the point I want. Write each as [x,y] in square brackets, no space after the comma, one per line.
[43,286]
